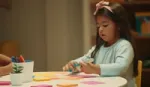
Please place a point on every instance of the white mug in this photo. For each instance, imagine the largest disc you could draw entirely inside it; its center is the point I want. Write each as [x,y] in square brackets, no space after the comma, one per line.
[27,71]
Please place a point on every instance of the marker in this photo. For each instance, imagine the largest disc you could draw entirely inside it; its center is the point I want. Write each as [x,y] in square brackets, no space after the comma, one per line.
[17,60]
[13,59]
[21,59]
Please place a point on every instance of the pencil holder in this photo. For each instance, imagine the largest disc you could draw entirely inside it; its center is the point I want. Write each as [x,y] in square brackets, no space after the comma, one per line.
[27,70]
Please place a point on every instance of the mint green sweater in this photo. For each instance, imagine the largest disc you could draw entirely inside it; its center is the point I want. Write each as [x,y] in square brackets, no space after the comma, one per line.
[115,60]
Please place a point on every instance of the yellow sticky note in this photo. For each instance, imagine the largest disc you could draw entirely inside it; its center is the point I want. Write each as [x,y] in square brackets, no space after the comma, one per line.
[67,85]
[41,78]
[72,78]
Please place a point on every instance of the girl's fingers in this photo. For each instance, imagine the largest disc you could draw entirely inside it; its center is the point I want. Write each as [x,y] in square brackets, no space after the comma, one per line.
[82,69]
[65,68]
[83,64]
[72,64]
[71,68]
[75,66]
[68,66]
[85,67]
[90,64]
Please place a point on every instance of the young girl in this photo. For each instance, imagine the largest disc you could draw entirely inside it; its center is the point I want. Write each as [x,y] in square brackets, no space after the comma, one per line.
[5,65]
[114,51]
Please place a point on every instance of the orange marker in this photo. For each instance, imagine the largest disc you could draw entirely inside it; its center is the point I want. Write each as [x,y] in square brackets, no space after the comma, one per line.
[21,59]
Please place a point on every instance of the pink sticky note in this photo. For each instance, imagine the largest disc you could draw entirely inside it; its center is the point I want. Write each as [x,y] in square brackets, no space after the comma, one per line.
[83,76]
[92,82]
[5,82]
[44,85]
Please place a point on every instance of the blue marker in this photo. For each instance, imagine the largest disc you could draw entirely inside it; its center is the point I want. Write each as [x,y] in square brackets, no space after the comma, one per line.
[13,59]
[76,65]
[70,70]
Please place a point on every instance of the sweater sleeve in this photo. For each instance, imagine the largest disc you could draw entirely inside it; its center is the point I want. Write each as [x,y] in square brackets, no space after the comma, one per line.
[86,55]
[124,57]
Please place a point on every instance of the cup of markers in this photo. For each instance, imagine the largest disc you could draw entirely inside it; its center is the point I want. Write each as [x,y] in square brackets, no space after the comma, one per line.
[28,66]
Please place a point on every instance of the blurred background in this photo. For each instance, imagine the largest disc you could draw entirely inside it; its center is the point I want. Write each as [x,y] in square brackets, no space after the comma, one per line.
[53,32]
[50,32]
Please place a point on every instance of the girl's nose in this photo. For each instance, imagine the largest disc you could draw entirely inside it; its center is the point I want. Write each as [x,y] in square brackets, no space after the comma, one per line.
[100,29]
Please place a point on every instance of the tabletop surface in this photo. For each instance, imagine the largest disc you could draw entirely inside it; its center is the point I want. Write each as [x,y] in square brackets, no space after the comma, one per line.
[95,81]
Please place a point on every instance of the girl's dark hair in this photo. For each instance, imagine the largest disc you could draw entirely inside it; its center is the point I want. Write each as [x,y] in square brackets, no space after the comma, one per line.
[120,17]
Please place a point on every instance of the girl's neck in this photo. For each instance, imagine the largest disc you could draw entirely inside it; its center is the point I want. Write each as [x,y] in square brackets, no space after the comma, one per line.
[111,42]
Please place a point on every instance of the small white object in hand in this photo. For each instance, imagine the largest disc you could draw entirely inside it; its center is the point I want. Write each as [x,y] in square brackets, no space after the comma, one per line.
[88,60]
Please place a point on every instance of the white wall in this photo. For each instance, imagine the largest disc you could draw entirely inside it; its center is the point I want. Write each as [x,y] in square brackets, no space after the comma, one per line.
[28,19]
[56,37]
[87,31]
[49,31]
[75,28]
[2,24]
[25,22]
[64,32]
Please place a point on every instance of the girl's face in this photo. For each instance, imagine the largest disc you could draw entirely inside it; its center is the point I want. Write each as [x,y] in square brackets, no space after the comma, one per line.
[107,30]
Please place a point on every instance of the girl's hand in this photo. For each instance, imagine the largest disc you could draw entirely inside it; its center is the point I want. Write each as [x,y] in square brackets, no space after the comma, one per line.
[70,66]
[4,60]
[90,68]
[5,70]
[5,65]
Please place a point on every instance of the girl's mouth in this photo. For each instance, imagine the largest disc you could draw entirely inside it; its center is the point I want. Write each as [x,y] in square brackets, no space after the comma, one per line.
[102,34]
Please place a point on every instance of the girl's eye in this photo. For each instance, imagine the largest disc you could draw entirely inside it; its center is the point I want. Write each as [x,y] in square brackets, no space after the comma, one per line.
[105,25]
[98,26]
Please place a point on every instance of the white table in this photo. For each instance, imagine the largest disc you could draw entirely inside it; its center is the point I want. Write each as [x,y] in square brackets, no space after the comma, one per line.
[108,82]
